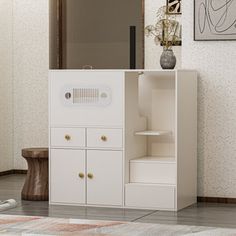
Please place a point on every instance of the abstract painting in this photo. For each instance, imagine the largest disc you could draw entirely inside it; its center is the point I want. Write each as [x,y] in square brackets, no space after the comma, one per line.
[173,7]
[214,20]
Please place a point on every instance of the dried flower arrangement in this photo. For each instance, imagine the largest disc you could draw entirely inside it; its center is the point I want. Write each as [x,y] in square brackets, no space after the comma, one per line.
[166,31]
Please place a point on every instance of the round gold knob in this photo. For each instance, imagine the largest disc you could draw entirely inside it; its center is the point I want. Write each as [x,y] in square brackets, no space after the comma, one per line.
[90,176]
[81,175]
[104,138]
[67,137]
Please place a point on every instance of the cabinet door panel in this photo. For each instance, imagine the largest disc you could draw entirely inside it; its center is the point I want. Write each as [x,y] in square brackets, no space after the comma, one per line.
[105,187]
[66,185]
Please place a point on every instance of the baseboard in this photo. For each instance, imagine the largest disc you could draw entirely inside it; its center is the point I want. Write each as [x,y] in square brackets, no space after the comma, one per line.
[217,200]
[12,172]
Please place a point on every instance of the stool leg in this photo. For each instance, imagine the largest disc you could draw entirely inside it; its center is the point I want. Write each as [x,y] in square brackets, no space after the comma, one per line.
[36,183]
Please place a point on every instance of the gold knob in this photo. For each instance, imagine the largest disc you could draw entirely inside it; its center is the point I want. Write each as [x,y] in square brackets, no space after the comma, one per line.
[104,138]
[81,175]
[90,176]
[67,137]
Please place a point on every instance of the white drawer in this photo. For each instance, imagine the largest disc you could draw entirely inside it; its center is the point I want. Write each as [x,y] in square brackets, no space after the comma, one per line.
[153,170]
[68,137]
[150,196]
[104,138]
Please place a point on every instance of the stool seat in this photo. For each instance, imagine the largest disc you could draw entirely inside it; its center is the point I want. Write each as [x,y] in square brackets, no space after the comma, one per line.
[36,183]
[35,152]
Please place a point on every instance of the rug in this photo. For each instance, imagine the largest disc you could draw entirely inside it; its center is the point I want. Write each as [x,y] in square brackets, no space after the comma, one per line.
[29,226]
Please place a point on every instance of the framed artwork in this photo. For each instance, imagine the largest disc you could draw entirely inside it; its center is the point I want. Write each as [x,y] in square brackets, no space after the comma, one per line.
[214,20]
[173,7]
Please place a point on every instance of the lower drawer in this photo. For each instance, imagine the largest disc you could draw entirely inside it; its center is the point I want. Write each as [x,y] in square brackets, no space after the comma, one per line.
[150,196]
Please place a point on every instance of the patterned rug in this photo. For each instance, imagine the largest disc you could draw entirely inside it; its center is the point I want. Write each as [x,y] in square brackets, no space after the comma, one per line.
[29,226]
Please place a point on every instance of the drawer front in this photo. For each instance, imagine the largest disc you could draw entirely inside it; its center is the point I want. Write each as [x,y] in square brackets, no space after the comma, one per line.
[104,138]
[150,196]
[68,137]
[159,173]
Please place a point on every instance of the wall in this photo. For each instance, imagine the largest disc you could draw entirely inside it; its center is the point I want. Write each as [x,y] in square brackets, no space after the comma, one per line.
[215,62]
[6,86]
[31,63]
[152,51]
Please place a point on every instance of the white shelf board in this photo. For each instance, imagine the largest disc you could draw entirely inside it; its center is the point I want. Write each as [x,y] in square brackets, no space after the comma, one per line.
[150,184]
[155,159]
[161,73]
[153,132]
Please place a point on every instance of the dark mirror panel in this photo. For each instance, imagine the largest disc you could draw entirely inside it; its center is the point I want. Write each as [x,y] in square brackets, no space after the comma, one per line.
[92,34]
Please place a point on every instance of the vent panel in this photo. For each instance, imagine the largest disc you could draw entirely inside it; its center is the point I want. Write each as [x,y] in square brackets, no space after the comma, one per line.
[85,95]
[96,95]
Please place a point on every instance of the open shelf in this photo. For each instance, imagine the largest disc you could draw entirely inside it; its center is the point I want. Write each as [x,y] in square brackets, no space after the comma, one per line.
[153,132]
[153,169]
[154,159]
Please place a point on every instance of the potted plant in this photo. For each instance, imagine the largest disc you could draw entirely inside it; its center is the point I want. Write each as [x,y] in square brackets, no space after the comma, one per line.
[167,33]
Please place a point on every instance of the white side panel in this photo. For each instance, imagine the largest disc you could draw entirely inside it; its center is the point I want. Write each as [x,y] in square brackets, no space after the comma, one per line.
[104,138]
[135,146]
[150,196]
[83,110]
[65,184]
[67,137]
[105,188]
[186,138]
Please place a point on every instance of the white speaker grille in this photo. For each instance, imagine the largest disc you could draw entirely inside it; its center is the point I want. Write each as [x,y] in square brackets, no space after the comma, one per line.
[85,95]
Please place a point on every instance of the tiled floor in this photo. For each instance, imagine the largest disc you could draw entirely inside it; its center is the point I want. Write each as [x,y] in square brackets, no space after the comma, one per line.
[217,215]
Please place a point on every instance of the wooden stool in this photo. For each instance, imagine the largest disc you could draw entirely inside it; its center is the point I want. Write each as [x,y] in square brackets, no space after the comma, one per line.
[36,183]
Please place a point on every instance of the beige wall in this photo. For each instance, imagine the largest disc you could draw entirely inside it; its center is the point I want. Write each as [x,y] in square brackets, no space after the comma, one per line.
[215,62]
[31,60]
[6,86]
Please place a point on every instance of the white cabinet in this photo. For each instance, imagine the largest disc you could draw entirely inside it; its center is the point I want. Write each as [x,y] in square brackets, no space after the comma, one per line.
[105,187]
[67,176]
[76,174]
[123,138]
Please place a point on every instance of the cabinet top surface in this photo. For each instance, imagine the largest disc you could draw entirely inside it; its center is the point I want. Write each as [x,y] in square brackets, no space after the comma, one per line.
[121,70]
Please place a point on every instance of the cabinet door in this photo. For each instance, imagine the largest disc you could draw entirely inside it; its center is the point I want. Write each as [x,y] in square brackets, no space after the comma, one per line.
[104,182]
[67,184]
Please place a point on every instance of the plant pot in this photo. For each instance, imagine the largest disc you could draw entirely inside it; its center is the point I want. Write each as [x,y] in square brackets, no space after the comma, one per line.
[168,59]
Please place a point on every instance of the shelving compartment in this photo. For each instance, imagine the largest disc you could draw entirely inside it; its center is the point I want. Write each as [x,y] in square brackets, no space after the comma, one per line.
[154,174]
[157,104]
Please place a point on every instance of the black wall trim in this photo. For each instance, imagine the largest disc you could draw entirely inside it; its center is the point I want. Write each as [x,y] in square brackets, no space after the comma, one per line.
[217,200]
[12,172]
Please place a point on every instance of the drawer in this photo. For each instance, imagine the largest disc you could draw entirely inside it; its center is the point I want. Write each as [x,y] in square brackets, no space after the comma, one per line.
[152,170]
[68,137]
[104,138]
[150,196]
